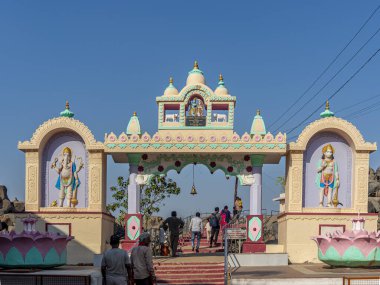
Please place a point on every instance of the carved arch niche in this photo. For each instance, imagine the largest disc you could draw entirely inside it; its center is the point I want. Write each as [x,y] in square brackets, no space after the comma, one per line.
[50,179]
[351,153]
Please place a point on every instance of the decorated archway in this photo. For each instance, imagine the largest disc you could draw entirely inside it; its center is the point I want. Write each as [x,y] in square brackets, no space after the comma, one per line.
[196,125]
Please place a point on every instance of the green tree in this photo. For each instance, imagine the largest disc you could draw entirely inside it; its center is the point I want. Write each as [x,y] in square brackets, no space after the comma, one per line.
[281,181]
[152,196]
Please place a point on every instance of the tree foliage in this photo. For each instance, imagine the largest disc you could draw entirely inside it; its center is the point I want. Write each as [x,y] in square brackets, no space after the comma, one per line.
[281,181]
[152,196]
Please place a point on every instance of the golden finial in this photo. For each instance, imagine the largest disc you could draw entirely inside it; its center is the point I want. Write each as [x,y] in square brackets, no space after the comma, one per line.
[67,105]
[171,80]
[327,105]
[258,112]
[220,77]
[134,114]
[196,65]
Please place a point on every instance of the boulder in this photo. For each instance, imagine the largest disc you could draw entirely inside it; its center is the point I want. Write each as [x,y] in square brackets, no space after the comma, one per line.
[374,204]
[3,193]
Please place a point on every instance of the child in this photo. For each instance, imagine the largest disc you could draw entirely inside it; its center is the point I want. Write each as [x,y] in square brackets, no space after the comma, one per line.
[208,230]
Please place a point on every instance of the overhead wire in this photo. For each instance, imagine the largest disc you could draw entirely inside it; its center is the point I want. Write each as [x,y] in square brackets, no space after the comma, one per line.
[331,79]
[355,114]
[336,92]
[356,104]
[326,69]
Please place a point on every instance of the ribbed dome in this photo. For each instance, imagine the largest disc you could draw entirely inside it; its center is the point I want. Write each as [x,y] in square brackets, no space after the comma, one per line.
[221,90]
[195,76]
[171,90]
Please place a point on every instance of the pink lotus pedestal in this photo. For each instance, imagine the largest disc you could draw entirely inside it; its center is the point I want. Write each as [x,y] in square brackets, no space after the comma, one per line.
[353,248]
[32,249]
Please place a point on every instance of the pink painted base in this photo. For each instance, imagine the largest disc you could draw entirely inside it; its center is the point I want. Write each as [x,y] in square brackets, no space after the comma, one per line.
[252,247]
[127,244]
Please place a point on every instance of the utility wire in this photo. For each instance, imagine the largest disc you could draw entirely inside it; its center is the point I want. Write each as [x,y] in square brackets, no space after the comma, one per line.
[365,113]
[331,79]
[356,104]
[354,114]
[337,91]
[326,69]
[363,110]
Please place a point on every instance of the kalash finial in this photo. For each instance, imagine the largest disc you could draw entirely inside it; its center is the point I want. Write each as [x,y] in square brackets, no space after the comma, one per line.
[196,65]
[67,113]
[134,114]
[258,112]
[171,80]
[327,113]
[220,77]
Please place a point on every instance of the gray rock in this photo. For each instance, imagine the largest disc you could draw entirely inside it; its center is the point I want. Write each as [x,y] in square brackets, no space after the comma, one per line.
[373,188]
[374,204]
[371,175]
[3,193]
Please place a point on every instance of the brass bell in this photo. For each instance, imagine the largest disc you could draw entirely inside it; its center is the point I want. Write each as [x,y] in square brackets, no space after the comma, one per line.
[193,191]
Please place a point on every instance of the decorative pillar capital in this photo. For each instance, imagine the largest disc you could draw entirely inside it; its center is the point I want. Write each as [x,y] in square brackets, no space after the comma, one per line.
[134,159]
[257,160]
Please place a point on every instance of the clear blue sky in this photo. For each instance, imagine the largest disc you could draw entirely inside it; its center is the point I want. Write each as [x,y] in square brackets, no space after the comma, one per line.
[111,58]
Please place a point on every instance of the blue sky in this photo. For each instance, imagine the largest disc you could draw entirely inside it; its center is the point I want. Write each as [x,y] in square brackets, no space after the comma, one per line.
[112,58]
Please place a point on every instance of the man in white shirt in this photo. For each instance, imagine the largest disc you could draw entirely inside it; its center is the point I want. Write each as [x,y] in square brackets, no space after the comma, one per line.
[196,229]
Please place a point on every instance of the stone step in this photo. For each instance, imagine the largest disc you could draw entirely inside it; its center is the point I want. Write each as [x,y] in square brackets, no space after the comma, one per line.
[164,271]
[203,282]
[189,280]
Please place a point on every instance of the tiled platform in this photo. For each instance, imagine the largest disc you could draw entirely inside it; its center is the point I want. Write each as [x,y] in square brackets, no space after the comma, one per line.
[300,274]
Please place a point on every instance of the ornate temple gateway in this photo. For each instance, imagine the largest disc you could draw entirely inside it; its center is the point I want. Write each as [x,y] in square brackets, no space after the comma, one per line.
[66,168]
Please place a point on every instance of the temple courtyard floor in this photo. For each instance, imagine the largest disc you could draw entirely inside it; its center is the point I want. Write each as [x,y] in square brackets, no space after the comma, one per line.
[209,269]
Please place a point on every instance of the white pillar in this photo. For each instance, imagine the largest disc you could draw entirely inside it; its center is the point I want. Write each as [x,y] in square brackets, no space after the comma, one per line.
[255,192]
[133,191]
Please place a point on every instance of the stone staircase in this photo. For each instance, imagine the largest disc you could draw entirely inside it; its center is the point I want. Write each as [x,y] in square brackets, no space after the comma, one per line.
[185,245]
[172,272]
[205,267]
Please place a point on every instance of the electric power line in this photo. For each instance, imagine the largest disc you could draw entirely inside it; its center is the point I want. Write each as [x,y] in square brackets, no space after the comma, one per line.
[356,104]
[326,69]
[331,79]
[337,91]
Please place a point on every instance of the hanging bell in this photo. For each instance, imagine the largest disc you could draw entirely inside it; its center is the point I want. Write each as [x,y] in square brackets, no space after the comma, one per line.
[193,191]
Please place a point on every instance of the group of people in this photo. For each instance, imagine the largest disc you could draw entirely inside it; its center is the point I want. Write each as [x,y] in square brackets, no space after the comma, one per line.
[215,222]
[120,269]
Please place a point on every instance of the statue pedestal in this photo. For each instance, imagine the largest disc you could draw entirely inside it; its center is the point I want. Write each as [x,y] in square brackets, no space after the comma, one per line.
[127,244]
[253,247]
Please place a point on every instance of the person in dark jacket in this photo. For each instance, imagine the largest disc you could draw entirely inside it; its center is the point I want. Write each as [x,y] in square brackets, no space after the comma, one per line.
[215,226]
[174,224]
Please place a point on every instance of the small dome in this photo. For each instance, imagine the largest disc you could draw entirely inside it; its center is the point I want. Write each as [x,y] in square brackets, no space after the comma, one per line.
[133,127]
[67,113]
[171,90]
[327,113]
[258,125]
[195,76]
[221,90]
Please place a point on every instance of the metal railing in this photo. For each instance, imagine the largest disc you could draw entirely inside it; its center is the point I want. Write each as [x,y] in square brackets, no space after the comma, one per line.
[22,279]
[367,280]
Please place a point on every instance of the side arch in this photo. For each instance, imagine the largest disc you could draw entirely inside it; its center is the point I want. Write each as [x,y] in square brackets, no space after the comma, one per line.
[336,125]
[56,125]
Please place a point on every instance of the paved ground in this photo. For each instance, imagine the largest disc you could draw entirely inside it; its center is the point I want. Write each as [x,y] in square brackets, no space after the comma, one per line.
[300,271]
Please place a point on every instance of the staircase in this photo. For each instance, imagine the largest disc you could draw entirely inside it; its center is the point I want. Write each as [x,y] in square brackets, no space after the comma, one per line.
[185,245]
[172,272]
[205,267]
